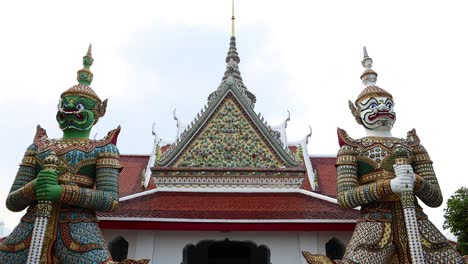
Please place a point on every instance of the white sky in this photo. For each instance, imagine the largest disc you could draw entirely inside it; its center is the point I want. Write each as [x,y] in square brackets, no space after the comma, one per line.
[153,56]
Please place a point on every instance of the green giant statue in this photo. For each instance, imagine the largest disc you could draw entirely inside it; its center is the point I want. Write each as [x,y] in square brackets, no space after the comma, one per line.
[63,182]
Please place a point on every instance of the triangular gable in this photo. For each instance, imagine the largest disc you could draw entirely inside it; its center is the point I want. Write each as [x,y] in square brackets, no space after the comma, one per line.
[229,134]
[229,139]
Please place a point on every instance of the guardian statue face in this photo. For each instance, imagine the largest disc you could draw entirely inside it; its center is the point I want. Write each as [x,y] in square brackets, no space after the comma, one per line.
[376,113]
[76,112]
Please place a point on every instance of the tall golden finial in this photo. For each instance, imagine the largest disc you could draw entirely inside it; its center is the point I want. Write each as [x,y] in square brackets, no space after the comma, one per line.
[233,32]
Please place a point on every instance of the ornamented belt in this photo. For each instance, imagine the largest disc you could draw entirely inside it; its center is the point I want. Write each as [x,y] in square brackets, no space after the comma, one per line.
[377,175]
[78,179]
[380,175]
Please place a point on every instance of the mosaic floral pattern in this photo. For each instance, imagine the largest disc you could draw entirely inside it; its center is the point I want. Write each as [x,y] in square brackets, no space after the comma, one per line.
[229,140]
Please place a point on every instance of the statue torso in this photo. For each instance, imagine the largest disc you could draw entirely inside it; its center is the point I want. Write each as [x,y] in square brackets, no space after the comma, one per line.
[78,157]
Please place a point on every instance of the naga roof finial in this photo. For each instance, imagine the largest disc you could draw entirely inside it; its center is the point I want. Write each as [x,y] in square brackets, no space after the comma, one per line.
[85,76]
[369,76]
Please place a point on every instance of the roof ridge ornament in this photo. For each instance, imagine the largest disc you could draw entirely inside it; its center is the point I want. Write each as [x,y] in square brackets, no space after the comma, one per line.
[369,76]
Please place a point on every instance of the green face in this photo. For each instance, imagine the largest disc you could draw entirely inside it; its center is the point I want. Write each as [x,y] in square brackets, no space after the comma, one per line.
[76,113]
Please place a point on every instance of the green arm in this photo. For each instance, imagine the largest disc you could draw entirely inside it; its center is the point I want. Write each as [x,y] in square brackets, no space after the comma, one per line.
[426,187]
[21,194]
[105,197]
[350,193]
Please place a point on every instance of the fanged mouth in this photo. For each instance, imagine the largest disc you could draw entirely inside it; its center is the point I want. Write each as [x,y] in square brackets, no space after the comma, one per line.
[381,114]
[69,112]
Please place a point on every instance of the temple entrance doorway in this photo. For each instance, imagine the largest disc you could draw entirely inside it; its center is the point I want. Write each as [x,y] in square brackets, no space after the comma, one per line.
[225,252]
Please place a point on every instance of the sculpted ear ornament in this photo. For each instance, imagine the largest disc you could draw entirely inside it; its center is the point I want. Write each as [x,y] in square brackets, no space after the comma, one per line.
[100,110]
[59,105]
[355,111]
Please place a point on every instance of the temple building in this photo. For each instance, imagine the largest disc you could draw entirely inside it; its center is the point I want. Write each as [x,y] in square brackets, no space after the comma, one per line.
[230,189]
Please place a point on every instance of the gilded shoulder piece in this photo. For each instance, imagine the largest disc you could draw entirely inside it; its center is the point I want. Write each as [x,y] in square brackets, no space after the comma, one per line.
[41,140]
[347,155]
[412,138]
[111,137]
[344,139]
[108,160]
[109,155]
[29,158]
[420,155]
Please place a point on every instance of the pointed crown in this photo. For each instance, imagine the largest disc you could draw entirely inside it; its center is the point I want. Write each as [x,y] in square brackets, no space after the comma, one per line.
[84,77]
[369,79]
[372,91]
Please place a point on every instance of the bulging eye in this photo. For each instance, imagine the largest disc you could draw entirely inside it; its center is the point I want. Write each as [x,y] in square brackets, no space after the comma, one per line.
[80,106]
[389,105]
[64,105]
[373,105]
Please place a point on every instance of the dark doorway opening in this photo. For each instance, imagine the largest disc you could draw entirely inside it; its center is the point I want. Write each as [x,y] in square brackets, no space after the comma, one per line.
[225,252]
[118,248]
[335,249]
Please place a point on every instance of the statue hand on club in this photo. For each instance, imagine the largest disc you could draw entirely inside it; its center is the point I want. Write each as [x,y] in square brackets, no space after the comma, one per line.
[46,186]
[404,180]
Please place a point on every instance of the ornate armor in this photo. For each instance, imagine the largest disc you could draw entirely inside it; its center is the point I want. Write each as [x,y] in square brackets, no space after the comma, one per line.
[88,173]
[364,169]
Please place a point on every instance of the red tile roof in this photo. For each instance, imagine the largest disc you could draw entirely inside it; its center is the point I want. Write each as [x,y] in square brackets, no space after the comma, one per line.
[130,176]
[255,206]
[326,175]
[133,166]
[306,184]
[201,205]
[2,238]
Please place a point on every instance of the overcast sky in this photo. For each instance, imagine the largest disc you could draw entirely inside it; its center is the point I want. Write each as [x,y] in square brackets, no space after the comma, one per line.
[302,56]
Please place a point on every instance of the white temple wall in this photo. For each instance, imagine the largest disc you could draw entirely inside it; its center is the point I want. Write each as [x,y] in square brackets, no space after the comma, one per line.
[167,246]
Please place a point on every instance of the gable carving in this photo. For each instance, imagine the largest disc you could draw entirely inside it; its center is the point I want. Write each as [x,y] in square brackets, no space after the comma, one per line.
[229,139]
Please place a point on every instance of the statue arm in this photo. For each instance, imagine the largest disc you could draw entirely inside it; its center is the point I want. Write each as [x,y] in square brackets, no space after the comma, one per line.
[426,187]
[350,193]
[21,194]
[105,197]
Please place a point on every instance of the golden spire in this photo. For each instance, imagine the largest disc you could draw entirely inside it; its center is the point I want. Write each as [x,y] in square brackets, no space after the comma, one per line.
[233,32]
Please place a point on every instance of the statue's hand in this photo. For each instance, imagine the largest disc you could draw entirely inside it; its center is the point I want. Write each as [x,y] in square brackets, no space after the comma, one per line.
[49,192]
[404,180]
[45,177]
[46,186]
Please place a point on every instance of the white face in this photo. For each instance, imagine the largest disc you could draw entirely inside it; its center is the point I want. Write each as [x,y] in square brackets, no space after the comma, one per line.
[368,63]
[377,113]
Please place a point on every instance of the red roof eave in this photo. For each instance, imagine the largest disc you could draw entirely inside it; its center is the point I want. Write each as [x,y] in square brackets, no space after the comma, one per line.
[193,226]
[220,207]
